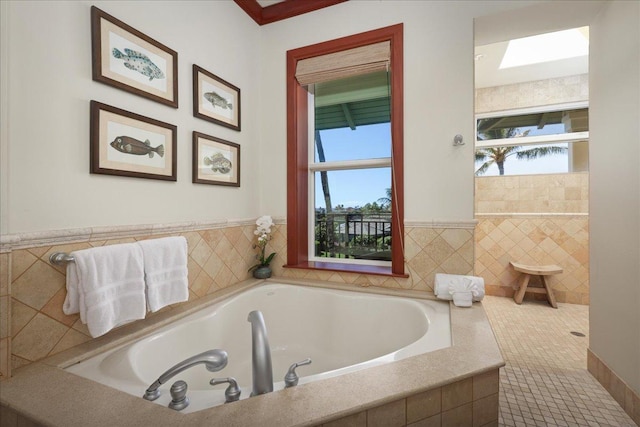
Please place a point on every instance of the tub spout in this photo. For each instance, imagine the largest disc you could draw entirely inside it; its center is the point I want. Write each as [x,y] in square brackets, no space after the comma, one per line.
[260,355]
[213,360]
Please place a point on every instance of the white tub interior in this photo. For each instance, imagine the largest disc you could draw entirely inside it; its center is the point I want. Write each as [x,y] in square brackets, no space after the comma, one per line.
[340,331]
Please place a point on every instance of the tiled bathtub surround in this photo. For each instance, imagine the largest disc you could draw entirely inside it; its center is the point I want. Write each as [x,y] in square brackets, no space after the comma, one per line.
[218,257]
[427,389]
[534,219]
[429,248]
[470,402]
[33,326]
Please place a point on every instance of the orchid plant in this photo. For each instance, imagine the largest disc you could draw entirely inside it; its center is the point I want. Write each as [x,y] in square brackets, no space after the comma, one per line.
[263,231]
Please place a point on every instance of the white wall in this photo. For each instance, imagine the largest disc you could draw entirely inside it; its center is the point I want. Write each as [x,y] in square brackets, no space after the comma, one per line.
[438,94]
[47,185]
[614,148]
[46,60]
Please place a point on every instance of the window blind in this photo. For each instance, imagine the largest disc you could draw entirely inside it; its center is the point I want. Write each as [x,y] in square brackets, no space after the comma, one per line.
[346,63]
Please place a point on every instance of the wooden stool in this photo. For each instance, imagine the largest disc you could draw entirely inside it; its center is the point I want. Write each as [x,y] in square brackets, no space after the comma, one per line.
[536,270]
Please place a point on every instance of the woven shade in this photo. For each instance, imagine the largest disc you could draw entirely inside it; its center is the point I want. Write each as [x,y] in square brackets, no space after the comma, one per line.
[346,63]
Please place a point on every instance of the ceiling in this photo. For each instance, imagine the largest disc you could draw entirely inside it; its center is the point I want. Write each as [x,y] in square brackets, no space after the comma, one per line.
[488,73]
[576,120]
[352,102]
[492,33]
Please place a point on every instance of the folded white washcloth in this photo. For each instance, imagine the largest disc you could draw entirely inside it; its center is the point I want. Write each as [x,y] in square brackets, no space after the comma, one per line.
[443,281]
[165,271]
[106,286]
[462,298]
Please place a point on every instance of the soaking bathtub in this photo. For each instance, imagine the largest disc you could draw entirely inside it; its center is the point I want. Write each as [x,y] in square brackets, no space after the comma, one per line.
[341,331]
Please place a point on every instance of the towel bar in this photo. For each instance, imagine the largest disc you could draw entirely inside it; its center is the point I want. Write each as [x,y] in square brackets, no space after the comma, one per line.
[60,258]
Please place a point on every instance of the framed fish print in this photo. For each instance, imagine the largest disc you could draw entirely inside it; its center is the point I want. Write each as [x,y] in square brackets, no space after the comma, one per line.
[128,144]
[125,58]
[215,100]
[215,161]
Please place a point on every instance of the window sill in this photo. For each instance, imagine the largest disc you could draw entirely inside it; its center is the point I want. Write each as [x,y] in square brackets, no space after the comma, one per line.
[347,268]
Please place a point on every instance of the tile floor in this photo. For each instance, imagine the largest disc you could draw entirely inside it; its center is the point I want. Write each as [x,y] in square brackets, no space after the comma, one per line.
[545,381]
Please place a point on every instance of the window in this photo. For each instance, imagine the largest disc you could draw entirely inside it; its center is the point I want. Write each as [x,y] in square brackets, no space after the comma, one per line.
[333,77]
[533,141]
[351,170]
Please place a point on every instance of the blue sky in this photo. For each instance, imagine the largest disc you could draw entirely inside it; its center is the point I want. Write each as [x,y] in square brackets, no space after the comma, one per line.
[356,187]
[558,163]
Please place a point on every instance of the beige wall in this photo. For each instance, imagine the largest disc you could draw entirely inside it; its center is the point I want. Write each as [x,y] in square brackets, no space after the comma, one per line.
[536,93]
[527,194]
[535,220]
[33,326]
[37,327]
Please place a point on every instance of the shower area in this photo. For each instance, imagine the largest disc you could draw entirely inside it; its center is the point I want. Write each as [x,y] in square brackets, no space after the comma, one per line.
[531,163]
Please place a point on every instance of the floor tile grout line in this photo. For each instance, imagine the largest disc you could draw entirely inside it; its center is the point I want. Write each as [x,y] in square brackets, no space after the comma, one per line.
[545,377]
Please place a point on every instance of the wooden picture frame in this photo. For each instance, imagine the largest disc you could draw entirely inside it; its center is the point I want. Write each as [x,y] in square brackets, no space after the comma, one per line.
[215,161]
[215,99]
[128,144]
[127,59]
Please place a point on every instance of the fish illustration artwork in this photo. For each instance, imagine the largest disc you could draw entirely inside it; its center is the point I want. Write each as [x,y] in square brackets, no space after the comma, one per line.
[217,100]
[139,62]
[128,145]
[218,163]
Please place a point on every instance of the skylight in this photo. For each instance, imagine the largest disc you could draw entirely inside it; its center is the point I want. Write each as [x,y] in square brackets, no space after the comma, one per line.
[546,47]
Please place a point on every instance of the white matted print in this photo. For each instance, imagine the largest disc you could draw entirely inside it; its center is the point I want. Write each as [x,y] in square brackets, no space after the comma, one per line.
[215,99]
[127,144]
[215,161]
[128,59]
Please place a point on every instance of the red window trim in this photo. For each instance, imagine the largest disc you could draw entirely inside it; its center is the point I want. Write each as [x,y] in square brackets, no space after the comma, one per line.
[297,151]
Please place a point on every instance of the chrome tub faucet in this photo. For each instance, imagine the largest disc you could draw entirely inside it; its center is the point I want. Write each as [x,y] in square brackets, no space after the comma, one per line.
[214,360]
[260,355]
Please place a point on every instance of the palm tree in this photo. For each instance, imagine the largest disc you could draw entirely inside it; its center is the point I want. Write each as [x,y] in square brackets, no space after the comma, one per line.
[385,202]
[499,155]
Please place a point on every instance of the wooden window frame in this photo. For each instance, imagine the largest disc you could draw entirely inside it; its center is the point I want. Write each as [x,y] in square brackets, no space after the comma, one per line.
[298,153]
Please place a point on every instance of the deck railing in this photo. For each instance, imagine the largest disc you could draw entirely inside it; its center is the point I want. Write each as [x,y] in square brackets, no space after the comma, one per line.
[353,235]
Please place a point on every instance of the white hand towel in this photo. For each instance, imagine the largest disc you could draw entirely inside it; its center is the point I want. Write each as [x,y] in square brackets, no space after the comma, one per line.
[165,271]
[106,286]
[443,281]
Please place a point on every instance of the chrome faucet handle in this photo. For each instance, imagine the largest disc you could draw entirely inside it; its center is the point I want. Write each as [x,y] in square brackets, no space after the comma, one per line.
[232,393]
[291,378]
[179,399]
[214,360]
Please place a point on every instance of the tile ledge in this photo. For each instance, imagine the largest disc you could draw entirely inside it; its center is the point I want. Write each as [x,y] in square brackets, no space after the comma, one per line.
[442,223]
[530,214]
[10,242]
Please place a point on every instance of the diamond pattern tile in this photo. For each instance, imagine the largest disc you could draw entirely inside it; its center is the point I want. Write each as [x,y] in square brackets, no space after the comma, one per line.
[36,327]
[536,241]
